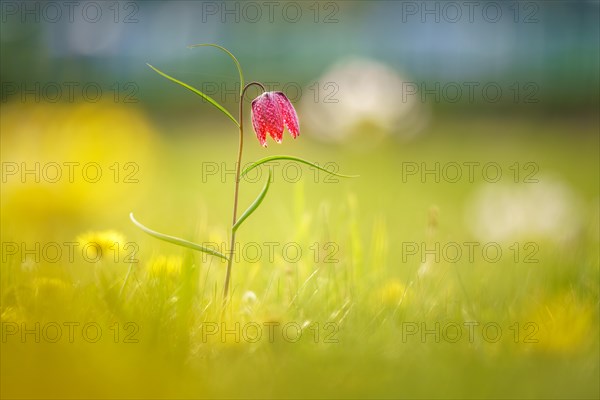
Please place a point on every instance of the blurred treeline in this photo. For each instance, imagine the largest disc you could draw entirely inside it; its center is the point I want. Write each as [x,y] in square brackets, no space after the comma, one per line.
[543,54]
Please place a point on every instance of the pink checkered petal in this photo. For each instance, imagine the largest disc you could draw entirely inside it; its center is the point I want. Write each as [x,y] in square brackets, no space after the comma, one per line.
[290,118]
[267,118]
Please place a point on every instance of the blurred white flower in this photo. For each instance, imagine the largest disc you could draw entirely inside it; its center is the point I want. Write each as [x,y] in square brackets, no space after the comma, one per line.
[547,209]
[361,97]
[249,300]
[249,297]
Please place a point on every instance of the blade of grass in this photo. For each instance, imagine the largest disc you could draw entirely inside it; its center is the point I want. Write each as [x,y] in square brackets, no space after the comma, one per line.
[199,93]
[292,158]
[235,60]
[176,240]
[255,204]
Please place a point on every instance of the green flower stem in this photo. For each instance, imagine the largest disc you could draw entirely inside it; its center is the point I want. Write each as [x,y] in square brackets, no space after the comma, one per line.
[236,193]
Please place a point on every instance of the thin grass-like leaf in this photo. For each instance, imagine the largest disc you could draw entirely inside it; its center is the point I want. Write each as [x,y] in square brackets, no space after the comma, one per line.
[176,240]
[199,93]
[292,158]
[235,60]
[254,205]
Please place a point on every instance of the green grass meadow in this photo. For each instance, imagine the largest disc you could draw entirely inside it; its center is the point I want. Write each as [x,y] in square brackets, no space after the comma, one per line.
[338,288]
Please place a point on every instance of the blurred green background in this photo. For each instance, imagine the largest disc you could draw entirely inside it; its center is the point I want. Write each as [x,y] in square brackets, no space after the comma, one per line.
[405,94]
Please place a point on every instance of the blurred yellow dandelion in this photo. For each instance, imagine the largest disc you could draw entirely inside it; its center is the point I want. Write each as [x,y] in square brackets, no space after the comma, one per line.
[105,253]
[391,294]
[108,245]
[164,266]
[565,324]
[77,157]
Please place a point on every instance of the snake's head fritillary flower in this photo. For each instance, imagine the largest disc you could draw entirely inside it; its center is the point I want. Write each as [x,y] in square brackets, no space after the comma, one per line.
[272,112]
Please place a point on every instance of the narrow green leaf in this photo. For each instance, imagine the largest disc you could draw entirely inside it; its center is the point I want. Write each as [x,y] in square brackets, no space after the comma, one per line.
[237,64]
[254,205]
[176,240]
[292,158]
[199,93]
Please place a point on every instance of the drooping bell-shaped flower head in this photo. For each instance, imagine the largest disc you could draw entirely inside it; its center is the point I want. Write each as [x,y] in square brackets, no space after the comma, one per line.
[271,113]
